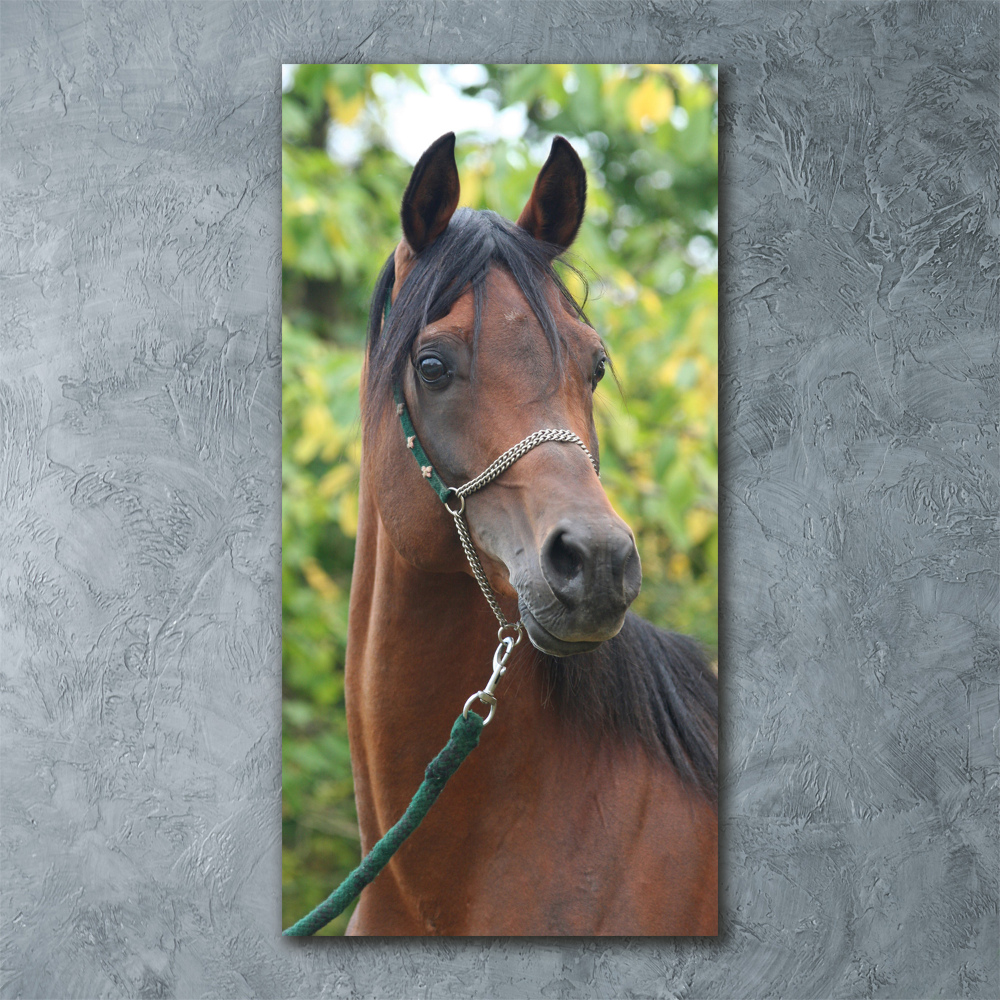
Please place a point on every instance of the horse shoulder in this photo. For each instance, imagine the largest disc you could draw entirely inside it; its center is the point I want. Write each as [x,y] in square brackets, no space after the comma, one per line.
[668,846]
[617,844]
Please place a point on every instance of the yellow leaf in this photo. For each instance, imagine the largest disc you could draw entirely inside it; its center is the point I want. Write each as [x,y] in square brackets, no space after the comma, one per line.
[667,375]
[651,302]
[626,282]
[313,381]
[343,109]
[317,578]
[333,233]
[348,517]
[334,481]
[701,399]
[699,524]
[305,450]
[703,325]
[350,110]
[305,205]
[687,447]
[319,433]
[471,188]
[610,83]
[679,566]
[575,285]
[649,104]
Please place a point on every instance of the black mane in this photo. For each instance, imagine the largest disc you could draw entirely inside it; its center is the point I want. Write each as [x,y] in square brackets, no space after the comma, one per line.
[644,684]
[649,685]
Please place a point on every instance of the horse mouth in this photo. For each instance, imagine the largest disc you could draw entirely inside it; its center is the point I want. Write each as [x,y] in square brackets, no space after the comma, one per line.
[545,642]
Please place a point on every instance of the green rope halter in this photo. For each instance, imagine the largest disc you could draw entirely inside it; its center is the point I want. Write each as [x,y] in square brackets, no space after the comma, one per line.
[413,443]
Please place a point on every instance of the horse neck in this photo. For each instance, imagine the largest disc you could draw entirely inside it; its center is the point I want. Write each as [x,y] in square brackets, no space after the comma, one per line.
[419,644]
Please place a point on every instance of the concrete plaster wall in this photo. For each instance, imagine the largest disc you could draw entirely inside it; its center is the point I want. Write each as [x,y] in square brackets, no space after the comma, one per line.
[140,499]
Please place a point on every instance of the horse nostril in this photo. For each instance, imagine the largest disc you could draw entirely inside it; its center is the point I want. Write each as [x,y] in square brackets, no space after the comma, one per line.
[631,572]
[562,564]
[584,567]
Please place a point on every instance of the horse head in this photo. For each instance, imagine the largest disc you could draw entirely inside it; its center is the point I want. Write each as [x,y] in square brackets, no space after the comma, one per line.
[474,327]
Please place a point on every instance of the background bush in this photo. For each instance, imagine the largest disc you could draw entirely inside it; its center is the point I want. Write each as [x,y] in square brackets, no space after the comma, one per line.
[648,246]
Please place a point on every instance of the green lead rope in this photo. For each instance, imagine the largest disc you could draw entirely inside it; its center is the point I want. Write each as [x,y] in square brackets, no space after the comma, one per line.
[464,739]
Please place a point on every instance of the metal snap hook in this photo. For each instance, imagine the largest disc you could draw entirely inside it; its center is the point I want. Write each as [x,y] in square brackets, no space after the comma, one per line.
[486,696]
[487,699]
[500,659]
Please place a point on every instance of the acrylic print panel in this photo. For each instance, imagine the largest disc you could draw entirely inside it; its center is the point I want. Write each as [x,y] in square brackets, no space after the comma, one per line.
[532,834]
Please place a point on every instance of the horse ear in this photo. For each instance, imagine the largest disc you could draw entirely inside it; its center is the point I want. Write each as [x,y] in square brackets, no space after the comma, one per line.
[555,209]
[432,195]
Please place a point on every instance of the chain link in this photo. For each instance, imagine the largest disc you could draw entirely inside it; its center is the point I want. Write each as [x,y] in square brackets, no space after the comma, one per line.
[478,572]
[504,462]
[511,455]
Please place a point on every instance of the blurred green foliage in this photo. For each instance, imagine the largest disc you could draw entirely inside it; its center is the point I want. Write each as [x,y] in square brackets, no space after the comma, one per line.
[648,248]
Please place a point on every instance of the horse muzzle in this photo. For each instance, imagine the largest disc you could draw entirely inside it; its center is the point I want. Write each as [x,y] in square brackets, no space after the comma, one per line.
[587,575]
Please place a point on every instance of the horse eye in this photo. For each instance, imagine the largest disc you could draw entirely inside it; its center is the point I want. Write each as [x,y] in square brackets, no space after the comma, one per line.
[432,369]
[599,372]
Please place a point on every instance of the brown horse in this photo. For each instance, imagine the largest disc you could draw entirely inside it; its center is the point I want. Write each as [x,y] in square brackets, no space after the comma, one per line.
[590,805]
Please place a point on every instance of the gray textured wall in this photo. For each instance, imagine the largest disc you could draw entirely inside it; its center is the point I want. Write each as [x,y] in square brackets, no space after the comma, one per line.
[139,526]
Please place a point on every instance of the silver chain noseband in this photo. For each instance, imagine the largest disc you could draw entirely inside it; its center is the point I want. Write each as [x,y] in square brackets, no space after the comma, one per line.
[504,462]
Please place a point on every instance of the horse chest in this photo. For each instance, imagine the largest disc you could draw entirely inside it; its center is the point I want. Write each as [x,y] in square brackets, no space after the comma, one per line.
[626,850]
